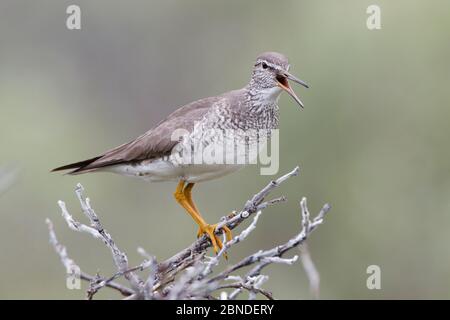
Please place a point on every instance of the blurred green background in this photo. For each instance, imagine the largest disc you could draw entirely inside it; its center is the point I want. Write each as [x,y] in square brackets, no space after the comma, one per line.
[372,140]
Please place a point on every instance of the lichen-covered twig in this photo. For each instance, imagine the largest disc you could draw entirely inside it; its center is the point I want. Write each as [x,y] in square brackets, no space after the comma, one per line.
[69,264]
[97,231]
[310,270]
[274,255]
[189,273]
[249,288]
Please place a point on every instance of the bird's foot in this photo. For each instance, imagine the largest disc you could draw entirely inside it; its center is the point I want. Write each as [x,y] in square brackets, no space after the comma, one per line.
[210,231]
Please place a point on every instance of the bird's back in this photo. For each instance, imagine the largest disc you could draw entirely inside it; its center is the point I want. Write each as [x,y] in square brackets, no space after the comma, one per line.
[158,141]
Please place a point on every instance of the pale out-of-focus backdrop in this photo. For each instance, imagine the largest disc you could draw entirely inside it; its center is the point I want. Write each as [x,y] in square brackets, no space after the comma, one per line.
[372,140]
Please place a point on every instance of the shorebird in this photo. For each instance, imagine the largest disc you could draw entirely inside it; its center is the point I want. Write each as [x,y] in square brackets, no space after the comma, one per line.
[154,155]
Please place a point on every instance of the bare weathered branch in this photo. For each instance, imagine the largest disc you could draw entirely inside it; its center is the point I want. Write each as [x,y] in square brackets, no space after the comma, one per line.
[69,264]
[97,231]
[310,270]
[189,273]
[232,221]
[278,251]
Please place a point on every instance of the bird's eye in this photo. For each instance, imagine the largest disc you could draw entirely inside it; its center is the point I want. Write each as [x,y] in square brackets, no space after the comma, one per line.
[264,65]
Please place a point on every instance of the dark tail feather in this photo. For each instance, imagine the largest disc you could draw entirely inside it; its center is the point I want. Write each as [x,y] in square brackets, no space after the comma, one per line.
[78,166]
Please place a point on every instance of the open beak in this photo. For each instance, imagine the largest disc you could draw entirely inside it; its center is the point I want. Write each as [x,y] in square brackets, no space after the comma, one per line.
[283,83]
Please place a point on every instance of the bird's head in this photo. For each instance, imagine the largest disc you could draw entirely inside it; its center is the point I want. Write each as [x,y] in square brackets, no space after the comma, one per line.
[271,76]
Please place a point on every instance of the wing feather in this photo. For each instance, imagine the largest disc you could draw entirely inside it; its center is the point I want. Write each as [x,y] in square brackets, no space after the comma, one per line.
[154,143]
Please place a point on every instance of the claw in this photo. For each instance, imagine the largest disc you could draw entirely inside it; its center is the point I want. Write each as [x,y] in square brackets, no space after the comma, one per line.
[209,230]
[228,234]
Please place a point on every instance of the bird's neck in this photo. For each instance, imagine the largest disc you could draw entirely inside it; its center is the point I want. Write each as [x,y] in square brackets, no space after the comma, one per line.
[262,98]
[262,106]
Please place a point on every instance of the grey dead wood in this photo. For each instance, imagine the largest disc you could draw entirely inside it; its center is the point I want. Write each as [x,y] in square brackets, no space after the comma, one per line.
[191,273]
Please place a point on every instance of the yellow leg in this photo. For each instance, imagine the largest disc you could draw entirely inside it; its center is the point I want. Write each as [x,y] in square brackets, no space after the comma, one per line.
[188,195]
[183,196]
